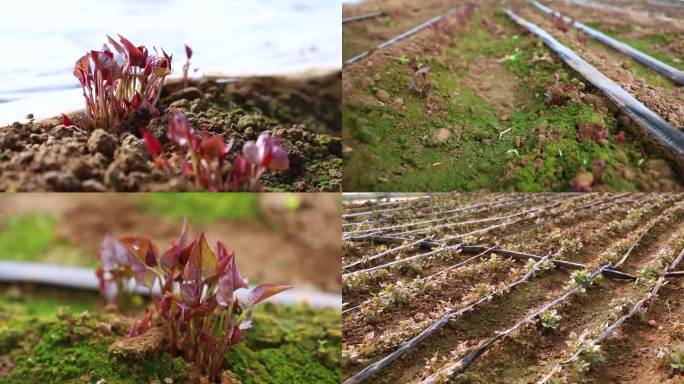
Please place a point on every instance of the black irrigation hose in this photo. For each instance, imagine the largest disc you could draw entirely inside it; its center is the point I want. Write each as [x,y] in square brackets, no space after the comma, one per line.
[436,326]
[372,15]
[374,203]
[453,369]
[561,263]
[612,327]
[354,214]
[656,126]
[387,265]
[381,254]
[457,265]
[395,39]
[387,239]
[664,69]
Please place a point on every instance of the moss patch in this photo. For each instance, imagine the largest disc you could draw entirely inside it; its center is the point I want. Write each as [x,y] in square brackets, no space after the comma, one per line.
[287,344]
[202,207]
[523,145]
[32,237]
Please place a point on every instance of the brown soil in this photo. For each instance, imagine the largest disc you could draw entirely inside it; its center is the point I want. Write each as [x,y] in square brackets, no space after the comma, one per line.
[299,247]
[46,156]
[530,352]
[399,16]
[641,10]
[633,352]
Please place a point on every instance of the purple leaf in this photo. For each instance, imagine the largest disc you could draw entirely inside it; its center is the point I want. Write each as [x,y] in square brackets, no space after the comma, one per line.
[264,291]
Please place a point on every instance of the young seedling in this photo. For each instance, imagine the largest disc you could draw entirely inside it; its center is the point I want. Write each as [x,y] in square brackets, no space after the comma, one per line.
[115,87]
[580,279]
[550,319]
[677,358]
[558,94]
[559,22]
[196,306]
[203,156]
[186,66]
[581,37]
[420,82]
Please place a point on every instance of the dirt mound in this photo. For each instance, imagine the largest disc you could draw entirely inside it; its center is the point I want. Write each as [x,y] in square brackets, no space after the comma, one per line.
[48,156]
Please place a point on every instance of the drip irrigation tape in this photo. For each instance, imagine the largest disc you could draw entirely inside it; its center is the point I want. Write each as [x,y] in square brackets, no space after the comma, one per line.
[436,326]
[396,39]
[451,370]
[352,19]
[664,69]
[670,137]
[17,272]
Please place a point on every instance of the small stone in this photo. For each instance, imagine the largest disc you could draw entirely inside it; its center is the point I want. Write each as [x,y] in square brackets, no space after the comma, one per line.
[168,380]
[29,116]
[440,135]
[652,323]
[383,96]
[101,142]
[399,102]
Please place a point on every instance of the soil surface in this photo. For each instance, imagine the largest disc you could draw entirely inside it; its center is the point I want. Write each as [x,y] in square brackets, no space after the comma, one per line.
[390,305]
[398,17]
[488,122]
[299,247]
[304,112]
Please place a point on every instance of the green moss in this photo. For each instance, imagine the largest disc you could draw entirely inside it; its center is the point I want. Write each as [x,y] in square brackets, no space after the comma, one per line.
[286,345]
[393,149]
[57,352]
[27,236]
[202,207]
[289,345]
[32,237]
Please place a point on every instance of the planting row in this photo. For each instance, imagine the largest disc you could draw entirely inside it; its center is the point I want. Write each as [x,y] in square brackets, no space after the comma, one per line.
[445,305]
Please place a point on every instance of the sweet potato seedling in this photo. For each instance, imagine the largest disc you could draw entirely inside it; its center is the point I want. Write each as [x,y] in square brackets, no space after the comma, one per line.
[115,87]
[186,66]
[420,82]
[192,287]
[203,156]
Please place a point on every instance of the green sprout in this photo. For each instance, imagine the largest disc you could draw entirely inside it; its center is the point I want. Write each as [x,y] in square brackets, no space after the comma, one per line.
[550,319]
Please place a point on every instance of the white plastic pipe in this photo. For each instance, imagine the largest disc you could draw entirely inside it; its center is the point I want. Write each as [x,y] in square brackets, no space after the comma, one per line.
[85,279]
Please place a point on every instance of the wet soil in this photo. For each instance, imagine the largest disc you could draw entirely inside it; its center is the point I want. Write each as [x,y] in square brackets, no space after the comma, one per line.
[304,112]
[299,247]
[589,235]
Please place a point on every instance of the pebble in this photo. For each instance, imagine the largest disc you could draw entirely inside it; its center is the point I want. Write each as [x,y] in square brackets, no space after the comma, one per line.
[383,96]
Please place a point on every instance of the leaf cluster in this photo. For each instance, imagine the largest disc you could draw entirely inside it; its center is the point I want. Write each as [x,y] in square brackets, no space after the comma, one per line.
[193,288]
